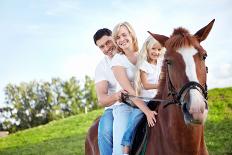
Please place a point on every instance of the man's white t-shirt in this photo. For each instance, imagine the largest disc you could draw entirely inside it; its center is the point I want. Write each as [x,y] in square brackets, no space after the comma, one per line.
[103,72]
[122,60]
[153,72]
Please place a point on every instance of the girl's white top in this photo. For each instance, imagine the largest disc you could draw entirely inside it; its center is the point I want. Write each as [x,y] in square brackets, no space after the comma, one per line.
[153,72]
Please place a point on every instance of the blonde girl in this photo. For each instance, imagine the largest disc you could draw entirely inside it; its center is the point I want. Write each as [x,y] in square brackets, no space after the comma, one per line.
[149,68]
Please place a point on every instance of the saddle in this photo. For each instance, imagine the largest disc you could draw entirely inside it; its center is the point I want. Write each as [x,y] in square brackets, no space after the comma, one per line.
[142,132]
[140,138]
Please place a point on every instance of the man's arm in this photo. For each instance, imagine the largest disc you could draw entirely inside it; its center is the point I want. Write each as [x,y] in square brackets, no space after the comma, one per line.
[104,99]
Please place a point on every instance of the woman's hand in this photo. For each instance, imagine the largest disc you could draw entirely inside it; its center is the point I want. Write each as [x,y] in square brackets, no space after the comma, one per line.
[118,95]
[151,120]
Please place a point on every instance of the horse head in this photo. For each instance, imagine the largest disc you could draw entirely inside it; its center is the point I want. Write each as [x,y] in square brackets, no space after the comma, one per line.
[186,72]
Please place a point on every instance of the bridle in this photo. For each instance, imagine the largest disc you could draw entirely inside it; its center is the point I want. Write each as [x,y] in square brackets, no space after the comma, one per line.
[177,96]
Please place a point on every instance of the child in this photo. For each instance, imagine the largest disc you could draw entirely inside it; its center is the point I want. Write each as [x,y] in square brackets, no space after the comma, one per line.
[146,84]
[149,68]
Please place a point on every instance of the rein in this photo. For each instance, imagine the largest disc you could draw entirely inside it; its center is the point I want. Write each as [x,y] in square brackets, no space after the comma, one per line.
[177,97]
[126,98]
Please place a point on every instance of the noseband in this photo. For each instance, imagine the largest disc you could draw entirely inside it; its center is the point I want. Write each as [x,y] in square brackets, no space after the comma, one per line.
[179,96]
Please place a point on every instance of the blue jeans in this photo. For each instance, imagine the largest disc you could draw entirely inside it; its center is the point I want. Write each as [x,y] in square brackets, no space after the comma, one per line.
[121,115]
[105,133]
[134,118]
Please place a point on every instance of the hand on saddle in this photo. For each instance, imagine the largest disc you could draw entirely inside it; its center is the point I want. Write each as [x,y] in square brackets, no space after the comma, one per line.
[151,120]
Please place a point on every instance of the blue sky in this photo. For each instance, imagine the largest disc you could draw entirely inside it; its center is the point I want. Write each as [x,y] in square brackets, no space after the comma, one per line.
[42,39]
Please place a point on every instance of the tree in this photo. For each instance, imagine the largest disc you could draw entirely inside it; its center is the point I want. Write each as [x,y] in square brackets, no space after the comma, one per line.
[72,97]
[90,97]
[35,103]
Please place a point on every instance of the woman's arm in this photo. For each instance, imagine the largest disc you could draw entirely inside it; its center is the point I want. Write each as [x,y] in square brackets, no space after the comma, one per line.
[121,77]
[145,83]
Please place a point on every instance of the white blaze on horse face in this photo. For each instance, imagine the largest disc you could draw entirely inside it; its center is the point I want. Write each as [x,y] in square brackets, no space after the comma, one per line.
[196,98]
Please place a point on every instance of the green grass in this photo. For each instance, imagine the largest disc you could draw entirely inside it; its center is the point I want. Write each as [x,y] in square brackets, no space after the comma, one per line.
[218,130]
[62,137]
[67,136]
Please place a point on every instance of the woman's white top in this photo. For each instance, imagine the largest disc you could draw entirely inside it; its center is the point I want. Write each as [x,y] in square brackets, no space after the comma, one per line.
[103,72]
[122,60]
[153,72]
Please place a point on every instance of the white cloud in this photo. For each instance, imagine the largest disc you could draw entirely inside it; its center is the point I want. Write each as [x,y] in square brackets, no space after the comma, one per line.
[79,65]
[60,7]
[220,75]
[225,71]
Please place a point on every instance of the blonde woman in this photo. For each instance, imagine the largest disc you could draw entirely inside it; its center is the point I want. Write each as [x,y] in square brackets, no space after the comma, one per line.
[146,84]
[124,67]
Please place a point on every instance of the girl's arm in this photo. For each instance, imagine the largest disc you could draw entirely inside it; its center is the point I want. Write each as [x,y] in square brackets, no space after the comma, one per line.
[121,77]
[145,83]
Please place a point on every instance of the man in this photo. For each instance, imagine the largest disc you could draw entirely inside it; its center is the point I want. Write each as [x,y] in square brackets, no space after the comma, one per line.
[105,84]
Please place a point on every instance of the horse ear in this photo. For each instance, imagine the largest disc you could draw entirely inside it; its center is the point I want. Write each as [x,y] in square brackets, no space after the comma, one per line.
[203,32]
[161,38]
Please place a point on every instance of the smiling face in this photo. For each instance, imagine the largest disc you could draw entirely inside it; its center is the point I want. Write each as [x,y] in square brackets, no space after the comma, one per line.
[124,39]
[106,45]
[154,52]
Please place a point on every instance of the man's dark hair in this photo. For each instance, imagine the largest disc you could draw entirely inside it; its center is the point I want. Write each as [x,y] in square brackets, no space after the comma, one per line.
[100,33]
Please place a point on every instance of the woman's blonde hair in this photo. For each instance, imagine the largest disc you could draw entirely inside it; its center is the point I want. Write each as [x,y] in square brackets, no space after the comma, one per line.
[143,56]
[131,32]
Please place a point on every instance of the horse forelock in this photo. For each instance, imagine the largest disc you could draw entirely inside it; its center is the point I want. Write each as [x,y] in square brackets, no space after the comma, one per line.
[180,38]
[181,31]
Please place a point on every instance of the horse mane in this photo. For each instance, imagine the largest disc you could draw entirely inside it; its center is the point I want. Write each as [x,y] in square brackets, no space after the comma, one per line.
[180,38]
[162,80]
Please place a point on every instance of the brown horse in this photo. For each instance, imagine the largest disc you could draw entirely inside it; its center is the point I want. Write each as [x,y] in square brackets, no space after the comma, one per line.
[178,131]
[91,144]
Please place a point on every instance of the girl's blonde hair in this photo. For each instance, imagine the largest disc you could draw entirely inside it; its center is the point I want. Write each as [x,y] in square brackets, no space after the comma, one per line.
[143,56]
[131,32]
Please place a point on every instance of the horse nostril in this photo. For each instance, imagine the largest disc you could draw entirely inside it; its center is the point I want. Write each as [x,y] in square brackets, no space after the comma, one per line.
[202,110]
[198,118]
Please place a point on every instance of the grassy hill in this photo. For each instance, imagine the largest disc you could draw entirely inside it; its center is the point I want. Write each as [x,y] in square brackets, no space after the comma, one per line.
[67,136]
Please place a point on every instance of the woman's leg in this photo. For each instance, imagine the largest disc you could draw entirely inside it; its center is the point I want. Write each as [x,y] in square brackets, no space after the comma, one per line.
[105,133]
[121,115]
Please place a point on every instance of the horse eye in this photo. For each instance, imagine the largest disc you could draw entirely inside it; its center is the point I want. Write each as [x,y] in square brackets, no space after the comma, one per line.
[204,57]
[168,62]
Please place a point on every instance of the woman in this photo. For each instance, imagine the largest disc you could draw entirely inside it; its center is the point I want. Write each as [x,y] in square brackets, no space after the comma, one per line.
[123,67]
[146,84]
